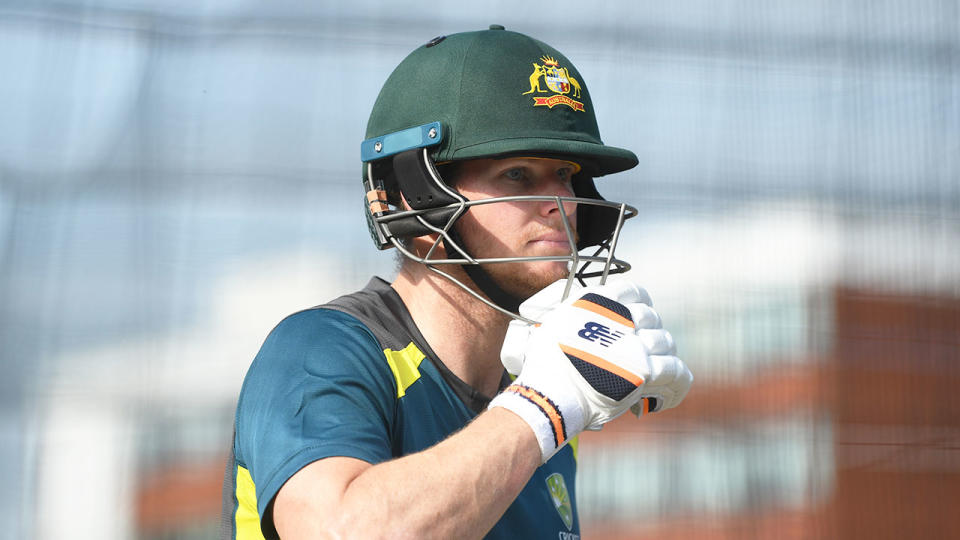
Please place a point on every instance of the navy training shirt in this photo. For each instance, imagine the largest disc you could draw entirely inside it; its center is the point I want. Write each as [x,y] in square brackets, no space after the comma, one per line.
[355,378]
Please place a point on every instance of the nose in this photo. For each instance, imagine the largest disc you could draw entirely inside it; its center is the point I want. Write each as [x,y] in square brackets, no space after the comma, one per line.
[559,189]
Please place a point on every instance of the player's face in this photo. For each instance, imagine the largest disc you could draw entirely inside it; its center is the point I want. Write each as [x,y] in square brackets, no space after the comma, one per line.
[522,228]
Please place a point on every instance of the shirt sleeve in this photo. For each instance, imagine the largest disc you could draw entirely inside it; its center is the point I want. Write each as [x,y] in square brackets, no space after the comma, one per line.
[319,387]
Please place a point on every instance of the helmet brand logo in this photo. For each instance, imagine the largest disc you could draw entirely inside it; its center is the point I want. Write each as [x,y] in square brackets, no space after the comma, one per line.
[558,81]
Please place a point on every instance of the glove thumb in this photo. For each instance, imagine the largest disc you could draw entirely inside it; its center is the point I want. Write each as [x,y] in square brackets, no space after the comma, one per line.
[513,352]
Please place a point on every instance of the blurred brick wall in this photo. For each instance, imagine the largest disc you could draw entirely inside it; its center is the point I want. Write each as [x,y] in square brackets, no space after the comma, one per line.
[895,375]
[889,387]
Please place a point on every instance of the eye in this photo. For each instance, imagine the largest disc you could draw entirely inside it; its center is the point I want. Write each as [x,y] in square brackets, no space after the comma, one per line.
[516,173]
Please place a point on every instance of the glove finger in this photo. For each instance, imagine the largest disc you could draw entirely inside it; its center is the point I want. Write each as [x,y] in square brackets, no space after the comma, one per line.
[546,299]
[683,383]
[644,316]
[515,342]
[663,370]
[623,291]
[657,341]
[671,375]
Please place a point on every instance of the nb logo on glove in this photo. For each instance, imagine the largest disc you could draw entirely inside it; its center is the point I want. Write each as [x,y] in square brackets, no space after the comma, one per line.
[595,331]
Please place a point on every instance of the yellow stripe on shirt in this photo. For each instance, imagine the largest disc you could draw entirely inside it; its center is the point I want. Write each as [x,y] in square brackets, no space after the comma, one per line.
[247,519]
[405,365]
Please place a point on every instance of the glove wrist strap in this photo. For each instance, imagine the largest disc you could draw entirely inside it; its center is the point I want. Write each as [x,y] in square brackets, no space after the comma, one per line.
[546,419]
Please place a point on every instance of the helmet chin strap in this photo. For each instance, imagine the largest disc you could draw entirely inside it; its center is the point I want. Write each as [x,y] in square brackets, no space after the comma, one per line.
[481,278]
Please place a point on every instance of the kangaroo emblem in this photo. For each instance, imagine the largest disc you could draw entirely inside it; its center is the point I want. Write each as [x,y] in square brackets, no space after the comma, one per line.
[573,82]
[538,71]
[556,83]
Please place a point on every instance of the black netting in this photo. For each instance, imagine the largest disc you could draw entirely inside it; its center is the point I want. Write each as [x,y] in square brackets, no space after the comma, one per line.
[609,384]
[607,303]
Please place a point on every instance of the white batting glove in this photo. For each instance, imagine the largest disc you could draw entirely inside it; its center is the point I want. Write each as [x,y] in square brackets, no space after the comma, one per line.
[595,355]
[518,333]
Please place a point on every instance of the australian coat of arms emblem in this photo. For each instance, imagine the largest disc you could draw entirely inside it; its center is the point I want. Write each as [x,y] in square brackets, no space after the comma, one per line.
[558,81]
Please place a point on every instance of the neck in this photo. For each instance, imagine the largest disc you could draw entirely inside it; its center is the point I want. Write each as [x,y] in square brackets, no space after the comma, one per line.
[466,333]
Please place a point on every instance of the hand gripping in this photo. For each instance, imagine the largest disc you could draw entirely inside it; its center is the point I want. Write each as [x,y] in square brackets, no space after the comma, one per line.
[592,357]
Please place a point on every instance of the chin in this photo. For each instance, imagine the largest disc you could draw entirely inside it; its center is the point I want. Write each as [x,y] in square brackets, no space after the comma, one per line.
[523,282]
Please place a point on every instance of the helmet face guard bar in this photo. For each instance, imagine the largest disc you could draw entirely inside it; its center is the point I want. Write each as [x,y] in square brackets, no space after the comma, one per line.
[625,212]
[434,208]
[576,262]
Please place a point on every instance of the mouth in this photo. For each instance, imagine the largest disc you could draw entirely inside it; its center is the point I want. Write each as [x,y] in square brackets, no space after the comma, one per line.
[552,241]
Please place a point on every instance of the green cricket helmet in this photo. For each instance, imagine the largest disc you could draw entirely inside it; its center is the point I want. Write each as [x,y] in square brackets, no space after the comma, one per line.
[485,94]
